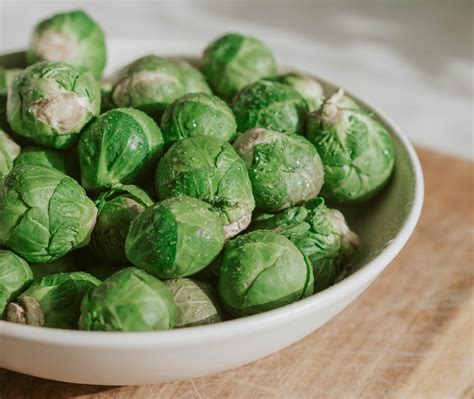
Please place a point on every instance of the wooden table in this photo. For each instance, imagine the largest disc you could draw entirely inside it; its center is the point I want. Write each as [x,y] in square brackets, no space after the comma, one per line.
[410,335]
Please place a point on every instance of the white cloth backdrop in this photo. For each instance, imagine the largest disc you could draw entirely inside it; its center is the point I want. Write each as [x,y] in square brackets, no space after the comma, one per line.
[414,59]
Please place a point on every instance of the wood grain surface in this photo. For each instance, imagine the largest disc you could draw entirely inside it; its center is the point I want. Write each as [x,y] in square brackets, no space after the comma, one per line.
[409,335]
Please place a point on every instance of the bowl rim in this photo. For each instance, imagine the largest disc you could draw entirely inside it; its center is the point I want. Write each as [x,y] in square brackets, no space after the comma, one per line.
[194,335]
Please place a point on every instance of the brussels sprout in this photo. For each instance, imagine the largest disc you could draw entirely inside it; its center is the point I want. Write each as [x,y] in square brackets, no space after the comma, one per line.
[118,147]
[150,83]
[6,78]
[71,37]
[175,238]
[269,105]
[9,151]
[234,61]
[209,169]
[285,170]
[196,302]
[198,114]
[261,271]
[15,276]
[192,78]
[52,301]
[321,233]
[65,264]
[50,102]
[116,210]
[49,158]
[307,87]
[357,152]
[44,213]
[129,300]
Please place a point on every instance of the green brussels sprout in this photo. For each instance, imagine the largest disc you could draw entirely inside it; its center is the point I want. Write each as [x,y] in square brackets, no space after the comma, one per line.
[198,114]
[52,301]
[209,169]
[320,233]
[357,152]
[175,238]
[44,213]
[262,270]
[196,302]
[192,78]
[234,61]
[150,83]
[129,300]
[116,210]
[15,276]
[50,102]
[62,265]
[9,151]
[119,147]
[285,170]
[6,78]
[49,158]
[307,87]
[269,105]
[71,37]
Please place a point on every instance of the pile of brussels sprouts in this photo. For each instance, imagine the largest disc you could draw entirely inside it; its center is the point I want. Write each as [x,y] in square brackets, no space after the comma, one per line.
[172,194]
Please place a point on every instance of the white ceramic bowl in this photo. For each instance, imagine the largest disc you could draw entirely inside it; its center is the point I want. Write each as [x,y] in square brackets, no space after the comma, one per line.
[384,225]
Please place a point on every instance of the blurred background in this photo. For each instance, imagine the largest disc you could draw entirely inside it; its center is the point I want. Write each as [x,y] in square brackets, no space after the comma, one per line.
[413,59]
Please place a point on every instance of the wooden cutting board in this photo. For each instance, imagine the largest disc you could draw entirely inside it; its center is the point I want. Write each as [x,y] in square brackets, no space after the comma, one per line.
[409,335]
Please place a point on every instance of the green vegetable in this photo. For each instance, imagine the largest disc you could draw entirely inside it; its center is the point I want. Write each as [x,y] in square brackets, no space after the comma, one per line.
[44,213]
[175,238]
[9,151]
[15,276]
[65,264]
[50,102]
[52,301]
[196,302]
[116,210]
[70,37]
[192,78]
[129,300]
[6,78]
[119,147]
[307,87]
[284,169]
[209,169]
[150,83]
[321,234]
[198,114]
[234,61]
[356,150]
[261,271]
[269,105]
[49,158]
